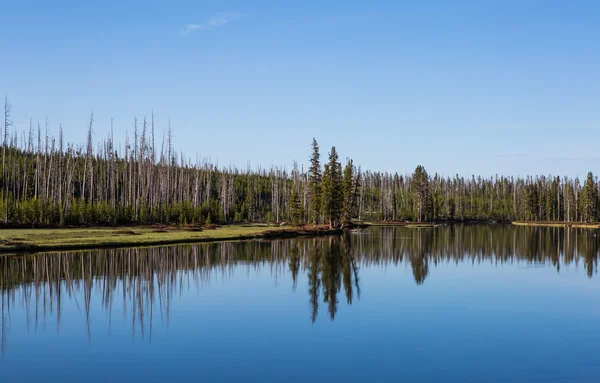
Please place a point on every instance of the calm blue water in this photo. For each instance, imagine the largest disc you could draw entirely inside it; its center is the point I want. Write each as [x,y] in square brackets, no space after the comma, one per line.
[465,304]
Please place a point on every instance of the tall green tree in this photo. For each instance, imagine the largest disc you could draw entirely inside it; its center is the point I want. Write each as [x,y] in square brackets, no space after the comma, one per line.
[349,194]
[551,198]
[314,183]
[332,193]
[532,207]
[296,207]
[420,193]
[589,198]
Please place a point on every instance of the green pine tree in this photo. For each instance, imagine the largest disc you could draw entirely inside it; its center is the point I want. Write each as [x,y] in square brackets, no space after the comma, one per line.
[314,183]
[348,192]
[589,196]
[332,194]
[420,192]
[296,207]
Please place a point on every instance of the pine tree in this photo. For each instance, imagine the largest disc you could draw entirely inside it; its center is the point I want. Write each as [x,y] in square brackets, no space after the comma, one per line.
[296,207]
[420,193]
[314,181]
[532,207]
[551,208]
[589,196]
[332,194]
[348,192]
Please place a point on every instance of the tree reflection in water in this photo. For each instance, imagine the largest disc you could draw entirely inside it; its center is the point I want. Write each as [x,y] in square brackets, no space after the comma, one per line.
[148,279]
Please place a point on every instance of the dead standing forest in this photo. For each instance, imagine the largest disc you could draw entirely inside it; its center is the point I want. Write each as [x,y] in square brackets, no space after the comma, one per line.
[47,181]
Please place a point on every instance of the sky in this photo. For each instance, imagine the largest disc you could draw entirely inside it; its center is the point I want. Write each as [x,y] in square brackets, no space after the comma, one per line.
[460,87]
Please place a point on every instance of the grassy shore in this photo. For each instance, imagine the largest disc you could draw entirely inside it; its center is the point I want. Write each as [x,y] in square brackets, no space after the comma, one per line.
[582,225]
[31,240]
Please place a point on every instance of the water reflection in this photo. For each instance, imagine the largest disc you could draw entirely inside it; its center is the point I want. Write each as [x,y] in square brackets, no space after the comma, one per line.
[146,281]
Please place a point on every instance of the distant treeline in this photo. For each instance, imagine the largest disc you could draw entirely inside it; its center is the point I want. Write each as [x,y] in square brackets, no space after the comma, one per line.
[46,181]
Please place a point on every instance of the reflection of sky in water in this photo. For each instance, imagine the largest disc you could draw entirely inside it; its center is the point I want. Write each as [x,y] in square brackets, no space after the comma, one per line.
[244,320]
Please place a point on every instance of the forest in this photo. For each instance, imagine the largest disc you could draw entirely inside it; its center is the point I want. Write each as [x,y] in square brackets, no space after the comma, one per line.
[47,181]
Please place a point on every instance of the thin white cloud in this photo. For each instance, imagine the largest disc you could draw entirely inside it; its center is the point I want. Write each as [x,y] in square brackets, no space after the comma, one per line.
[190,28]
[215,21]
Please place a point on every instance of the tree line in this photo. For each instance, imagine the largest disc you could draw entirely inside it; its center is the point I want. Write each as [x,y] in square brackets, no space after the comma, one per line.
[47,181]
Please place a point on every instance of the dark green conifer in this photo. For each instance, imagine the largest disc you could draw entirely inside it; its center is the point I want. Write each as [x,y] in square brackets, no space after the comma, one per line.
[348,192]
[420,193]
[314,183]
[332,194]
[295,207]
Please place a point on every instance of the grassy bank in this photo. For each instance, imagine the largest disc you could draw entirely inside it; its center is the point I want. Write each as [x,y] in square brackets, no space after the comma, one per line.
[582,225]
[30,240]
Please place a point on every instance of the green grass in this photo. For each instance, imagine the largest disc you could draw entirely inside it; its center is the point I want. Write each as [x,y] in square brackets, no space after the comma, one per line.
[14,240]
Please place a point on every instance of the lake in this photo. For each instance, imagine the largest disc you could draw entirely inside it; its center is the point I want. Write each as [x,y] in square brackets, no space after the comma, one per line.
[464,303]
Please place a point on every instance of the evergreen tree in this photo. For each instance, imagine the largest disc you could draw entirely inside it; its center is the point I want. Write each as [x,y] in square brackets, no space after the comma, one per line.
[348,192]
[296,207]
[326,191]
[332,193]
[532,208]
[314,183]
[551,198]
[589,197]
[420,192]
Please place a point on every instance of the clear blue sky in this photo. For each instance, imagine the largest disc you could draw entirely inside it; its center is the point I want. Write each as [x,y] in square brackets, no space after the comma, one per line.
[483,87]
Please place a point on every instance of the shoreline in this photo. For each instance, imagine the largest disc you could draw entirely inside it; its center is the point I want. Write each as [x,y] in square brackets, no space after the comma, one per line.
[33,240]
[577,225]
